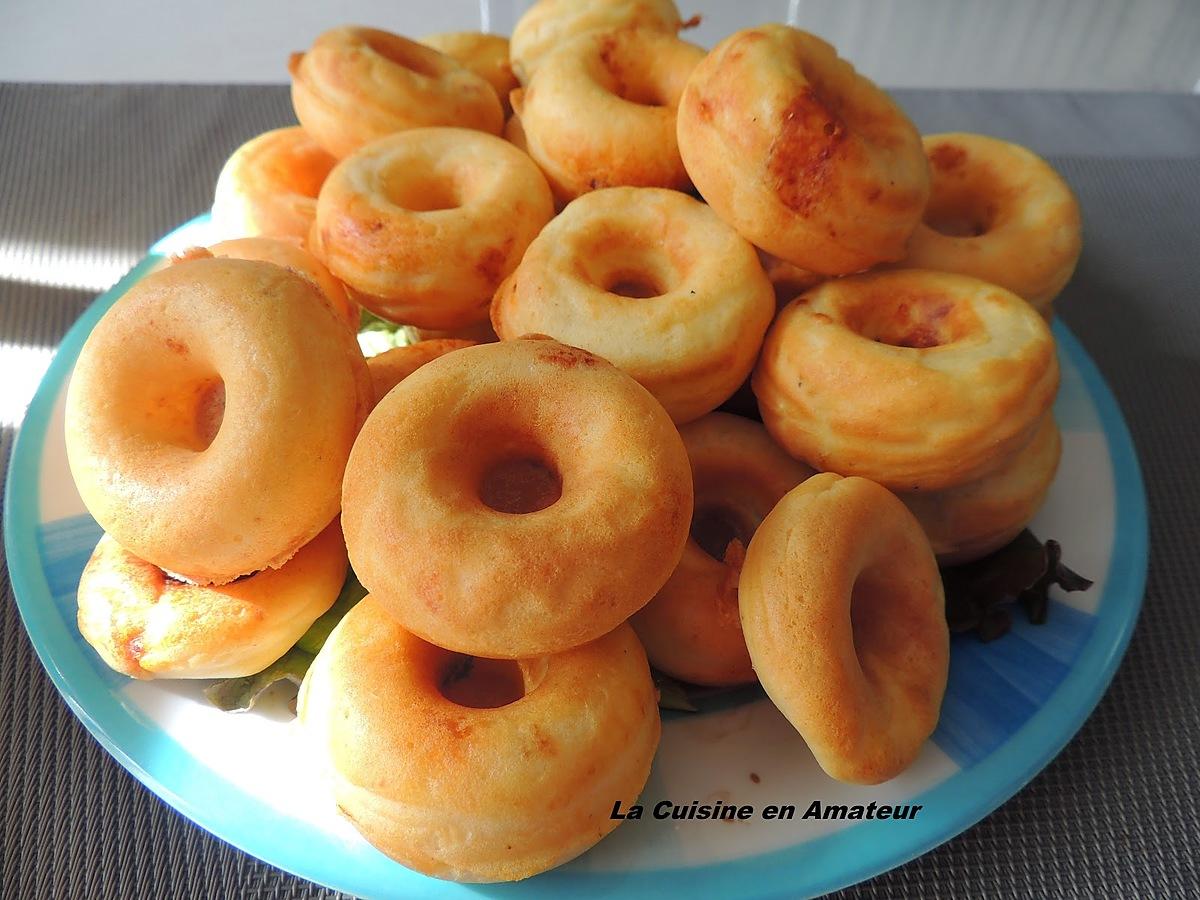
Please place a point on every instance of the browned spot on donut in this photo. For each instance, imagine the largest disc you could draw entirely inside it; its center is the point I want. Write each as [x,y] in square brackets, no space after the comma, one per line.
[177,347]
[704,109]
[800,160]
[545,744]
[947,157]
[873,194]
[492,263]
[567,357]
[692,22]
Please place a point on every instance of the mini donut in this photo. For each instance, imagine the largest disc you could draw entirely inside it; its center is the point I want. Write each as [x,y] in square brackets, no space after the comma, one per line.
[970,521]
[514,499]
[210,416]
[1000,213]
[359,84]
[475,769]
[391,367]
[601,111]
[918,380]
[654,282]
[691,628]
[548,24]
[146,624]
[292,257]
[844,617]
[425,224]
[484,54]
[802,155]
[269,186]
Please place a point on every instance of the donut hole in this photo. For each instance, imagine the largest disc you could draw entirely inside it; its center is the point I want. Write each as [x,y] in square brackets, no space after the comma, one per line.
[873,605]
[210,412]
[520,483]
[418,186]
[169,398]
[716,525]
[628,74]
[635,285]
[960,214]
[413,57]
[627,264]
[911,320]
[478,682]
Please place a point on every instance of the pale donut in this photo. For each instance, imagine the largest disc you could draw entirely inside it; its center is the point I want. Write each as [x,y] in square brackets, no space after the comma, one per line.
[484,54]
[802,155]
[1000,213]
[514,499]
[359,84]
[548,24]
[480,792]
[145,624]
[654,282]
[691,628]
[210,416]
[918,380]
[291,256]
[601,111]
[970,521]
[844,617]
[425,224]
[269,186]
[391,367]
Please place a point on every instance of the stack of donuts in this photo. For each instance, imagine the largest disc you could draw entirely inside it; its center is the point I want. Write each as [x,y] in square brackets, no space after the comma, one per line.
[717,360]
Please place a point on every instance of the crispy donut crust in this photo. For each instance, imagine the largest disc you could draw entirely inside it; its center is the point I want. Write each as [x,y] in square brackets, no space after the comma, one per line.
[970,521]
[918,380]
[147,625]
[548,24]
[478,795]
[628,83]
[693,344]
[356,85]
[691,629]
[844,616]
[468,577]
[484,54]
[391,367]
[296,259]
[425,224]
[1012,220]
[802,155]
[269,186]
[245,345]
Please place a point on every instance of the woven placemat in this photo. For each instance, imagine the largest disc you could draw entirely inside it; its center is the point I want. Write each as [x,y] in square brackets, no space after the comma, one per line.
[90,176]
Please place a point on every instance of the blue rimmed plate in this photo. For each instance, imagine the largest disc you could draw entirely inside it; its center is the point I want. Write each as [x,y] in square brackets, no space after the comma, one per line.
[1011,705]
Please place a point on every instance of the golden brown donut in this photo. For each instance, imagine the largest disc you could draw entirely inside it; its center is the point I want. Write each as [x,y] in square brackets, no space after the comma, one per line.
[691,629]
[802,155]
[654,282]
[918,380]
[970,521]
[146,624]
[293,257]
[844,617]
[543,495]
[601,111]
[425,224]
[473,769]
[356,85]
[484,54]
[269,186]
[210,416]
[391,367]
[1000,213]
[548,24]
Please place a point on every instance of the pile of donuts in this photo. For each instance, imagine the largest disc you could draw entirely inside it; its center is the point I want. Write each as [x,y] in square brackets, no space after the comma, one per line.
[718,360]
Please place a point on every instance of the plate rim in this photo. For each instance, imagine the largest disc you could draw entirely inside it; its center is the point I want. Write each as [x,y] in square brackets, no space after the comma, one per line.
[1034,745]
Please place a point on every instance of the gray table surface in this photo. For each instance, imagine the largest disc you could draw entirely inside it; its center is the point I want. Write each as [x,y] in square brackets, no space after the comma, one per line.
[90,176]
